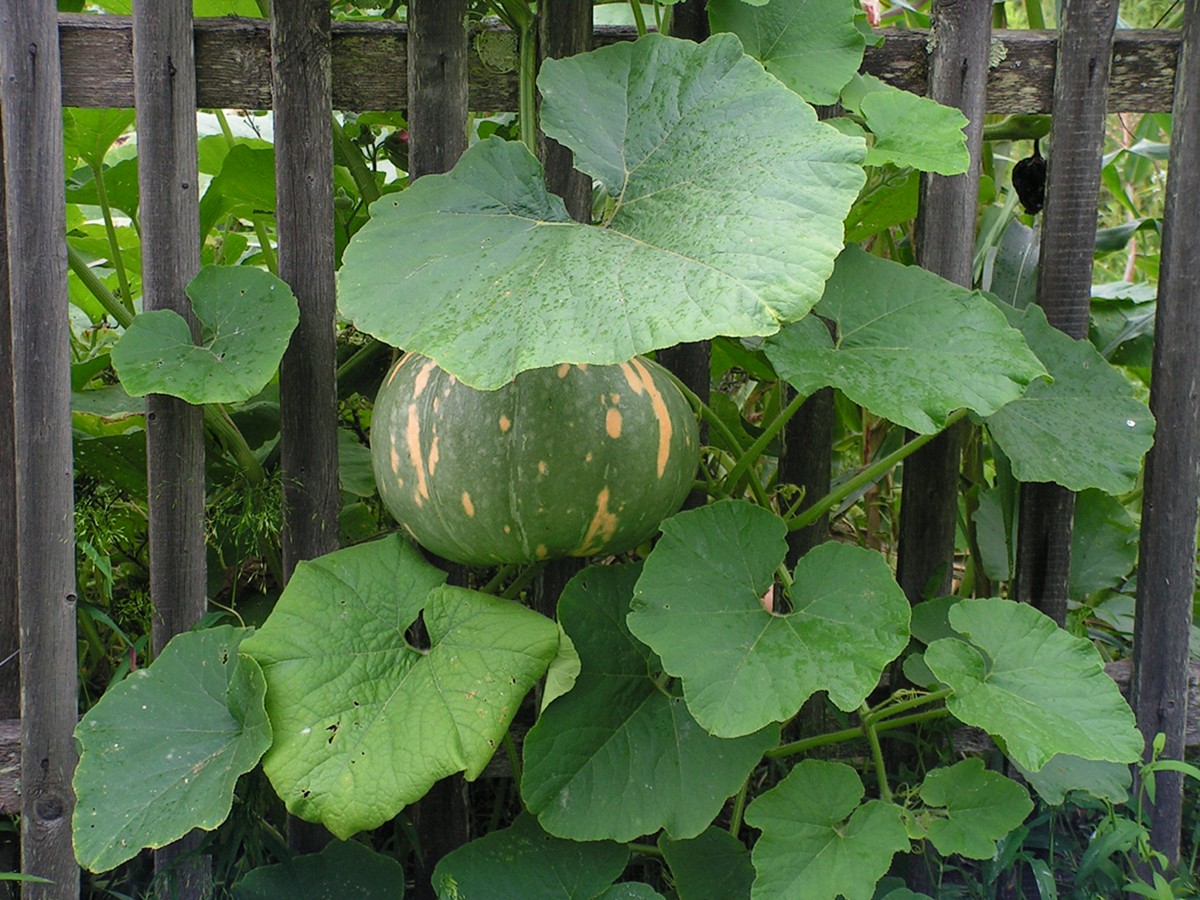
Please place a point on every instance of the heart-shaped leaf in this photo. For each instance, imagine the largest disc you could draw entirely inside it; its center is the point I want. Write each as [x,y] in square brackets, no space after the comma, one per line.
[1084,430]
[247,317]
[698,605]
[522,862]
[616,726]
[812,46]
[817,841]
[713,864]
[908,345]
[909,130]
[727,204]
[163,749]
[980,807]
[365,722]
[1037,688]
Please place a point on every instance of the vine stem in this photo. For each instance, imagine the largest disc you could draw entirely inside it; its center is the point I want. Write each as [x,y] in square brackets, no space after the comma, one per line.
[97,288]
[523,580]
[849,734]
[739,808]
[869,475]
[885,792]
[110,230]
[886,710]
[514,759]
[645,849]
[755,450]
[639,17]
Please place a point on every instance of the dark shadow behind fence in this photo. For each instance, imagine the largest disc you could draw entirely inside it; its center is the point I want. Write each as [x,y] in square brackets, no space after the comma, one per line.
[304,67]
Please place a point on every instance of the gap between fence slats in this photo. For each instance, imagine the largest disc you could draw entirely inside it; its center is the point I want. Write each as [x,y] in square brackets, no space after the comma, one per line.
[1167,554]
[30,97]
[169,213]
[370,58]
[1064,287]
[945,234]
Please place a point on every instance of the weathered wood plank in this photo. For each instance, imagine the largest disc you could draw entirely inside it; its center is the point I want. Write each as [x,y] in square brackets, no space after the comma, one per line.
[945,235]
[564,30]
[1167,552]
[10,684]
[304,187]
[30,102]
[370,60]
[1065,270]
[169,200]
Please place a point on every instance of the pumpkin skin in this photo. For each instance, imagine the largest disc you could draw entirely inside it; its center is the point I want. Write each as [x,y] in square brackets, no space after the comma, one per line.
[564,461]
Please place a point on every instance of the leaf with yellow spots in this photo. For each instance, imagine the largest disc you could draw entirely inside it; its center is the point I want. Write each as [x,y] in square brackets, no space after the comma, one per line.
[699,606]
[365,722]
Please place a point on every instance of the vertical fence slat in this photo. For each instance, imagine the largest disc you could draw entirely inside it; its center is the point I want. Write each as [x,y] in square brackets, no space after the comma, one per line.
[31,98]
[437,116]
[301,88]
[945,244]
[1172,484]
[1065,269]
[300,47]
[692,363]
[164,94]
[10,685]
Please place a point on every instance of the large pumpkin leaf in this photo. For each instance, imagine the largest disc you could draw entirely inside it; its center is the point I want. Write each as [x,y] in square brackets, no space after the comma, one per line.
[1106,780]
[617,727]
[713,864]
[163,749]
[247,317]
[1083,430]
[522,862]
[908,345]
[978,808]
[1104,544]
[365,722]
[727,204]
[1030,684]
[817,841]
[812,46]
[698,606]
[344,870]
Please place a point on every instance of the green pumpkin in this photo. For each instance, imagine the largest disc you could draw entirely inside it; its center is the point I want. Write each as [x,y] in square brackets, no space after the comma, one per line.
[565,461]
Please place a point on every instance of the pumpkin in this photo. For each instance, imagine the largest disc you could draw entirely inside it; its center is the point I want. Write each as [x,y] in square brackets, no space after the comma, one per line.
[573,460]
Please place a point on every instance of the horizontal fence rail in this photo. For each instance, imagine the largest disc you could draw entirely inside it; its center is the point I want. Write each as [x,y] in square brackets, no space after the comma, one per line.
[370,64]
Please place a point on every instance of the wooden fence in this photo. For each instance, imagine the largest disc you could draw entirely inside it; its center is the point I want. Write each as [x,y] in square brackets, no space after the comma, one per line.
[303,67]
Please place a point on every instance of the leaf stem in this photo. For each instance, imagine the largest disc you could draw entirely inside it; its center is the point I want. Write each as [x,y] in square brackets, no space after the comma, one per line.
[849,734]
[869,475]
[644,849]
[97,288]
[514,758]
[639,17]
[346,154]
[885,792]
[755,450]
[114,247]
[887,709]
[739,808]
[523,580]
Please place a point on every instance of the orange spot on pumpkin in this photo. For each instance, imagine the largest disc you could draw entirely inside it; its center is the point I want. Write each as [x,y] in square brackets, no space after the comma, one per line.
[505,424]
[601,529]
[422,378]
[412,437]
[542,467]
[661,413]
[468,506]
[433,455]
[612,423]
[541,551]
[563,370]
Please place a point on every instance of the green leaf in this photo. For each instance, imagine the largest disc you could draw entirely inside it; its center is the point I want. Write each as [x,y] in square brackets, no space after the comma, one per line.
[1032,685]
[120,186]
[344,870]
[365,722]
[1064,773]
[910,346]
[817,841]
[247,317]
[162,750]
[812,46]
[355,475]
[1011,267]
[980,807]
[1103,544]
[1083,430]
[245,186]
[909,130]
[524,863]
[727,204]
[698,606]
[89,133]
[713,864]
[617,727]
